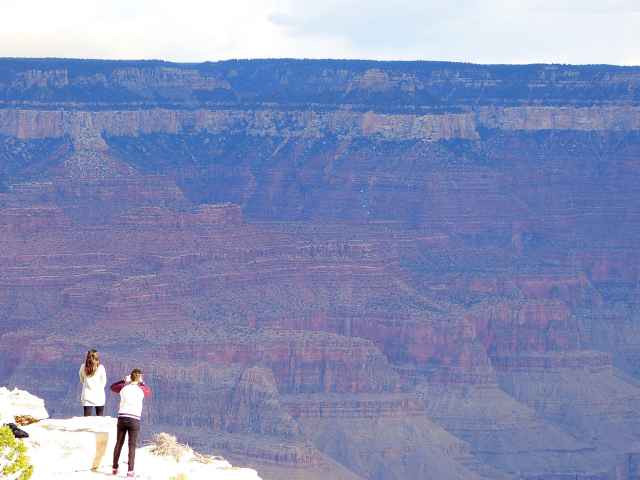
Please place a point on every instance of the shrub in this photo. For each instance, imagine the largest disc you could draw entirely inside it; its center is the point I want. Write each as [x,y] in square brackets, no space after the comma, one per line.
[166,445]
[14,462]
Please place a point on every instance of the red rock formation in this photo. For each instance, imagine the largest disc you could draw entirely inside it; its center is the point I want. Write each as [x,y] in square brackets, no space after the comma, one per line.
[254,407]
[303,362]
[525,326]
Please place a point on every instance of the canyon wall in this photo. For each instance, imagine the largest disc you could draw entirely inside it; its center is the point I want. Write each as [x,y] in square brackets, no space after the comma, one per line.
[334,269]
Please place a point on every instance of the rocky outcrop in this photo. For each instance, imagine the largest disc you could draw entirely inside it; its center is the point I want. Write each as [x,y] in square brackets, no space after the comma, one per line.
[327,82]
[304,362]
[82,447]
[35,124]
[508,327]
[40,124]
[17,402]
[254,407]
[385,446]
[510,436]
[602,400]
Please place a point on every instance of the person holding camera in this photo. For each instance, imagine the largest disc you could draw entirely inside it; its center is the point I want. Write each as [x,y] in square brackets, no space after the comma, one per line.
[132,390]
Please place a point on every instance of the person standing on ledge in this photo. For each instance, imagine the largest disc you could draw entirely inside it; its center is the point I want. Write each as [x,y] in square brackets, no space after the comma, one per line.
[132,391]
[93,378]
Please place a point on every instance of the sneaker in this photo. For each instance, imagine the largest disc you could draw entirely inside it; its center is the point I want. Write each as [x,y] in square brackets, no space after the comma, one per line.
[114,471]
[130,474]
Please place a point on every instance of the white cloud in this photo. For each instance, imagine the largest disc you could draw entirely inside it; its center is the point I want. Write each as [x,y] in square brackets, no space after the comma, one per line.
[185,30]
[489,31]
[585,6]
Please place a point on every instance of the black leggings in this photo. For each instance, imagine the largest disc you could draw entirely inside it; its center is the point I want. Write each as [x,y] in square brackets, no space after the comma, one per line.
[132,427]
[99,411]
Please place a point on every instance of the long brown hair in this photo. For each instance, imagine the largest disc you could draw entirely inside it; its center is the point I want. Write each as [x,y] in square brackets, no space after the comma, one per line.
[91,363]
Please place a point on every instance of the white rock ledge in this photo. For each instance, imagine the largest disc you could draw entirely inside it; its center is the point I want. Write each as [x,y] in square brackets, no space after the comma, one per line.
[82,448]
[18,402]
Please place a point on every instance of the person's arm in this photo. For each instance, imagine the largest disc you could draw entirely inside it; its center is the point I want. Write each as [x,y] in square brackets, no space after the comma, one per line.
[81,373]
[116,387]
[103,376]
[145,388]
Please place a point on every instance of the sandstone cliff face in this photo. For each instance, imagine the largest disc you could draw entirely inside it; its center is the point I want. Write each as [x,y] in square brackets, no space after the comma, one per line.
[329,82]
[346,270]
[37,124]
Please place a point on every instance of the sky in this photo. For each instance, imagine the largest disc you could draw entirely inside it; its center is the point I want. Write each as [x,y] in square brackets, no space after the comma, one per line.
[479,31]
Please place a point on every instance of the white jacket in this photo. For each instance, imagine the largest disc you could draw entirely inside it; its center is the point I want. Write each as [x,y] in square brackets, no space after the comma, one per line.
[131,397]
[93,387]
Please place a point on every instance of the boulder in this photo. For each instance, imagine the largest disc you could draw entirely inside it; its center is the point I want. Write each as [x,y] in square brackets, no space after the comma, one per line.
[18,402]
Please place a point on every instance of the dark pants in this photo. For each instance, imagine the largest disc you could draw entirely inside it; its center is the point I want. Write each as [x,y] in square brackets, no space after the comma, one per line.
[129,426]
[99,411]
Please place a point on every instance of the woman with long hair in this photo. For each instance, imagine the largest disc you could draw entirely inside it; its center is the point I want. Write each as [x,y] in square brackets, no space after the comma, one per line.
[93,378]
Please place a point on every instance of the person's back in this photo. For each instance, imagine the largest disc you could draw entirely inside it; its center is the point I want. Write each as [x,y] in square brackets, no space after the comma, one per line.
[93,378]
[131,400]
[132,391]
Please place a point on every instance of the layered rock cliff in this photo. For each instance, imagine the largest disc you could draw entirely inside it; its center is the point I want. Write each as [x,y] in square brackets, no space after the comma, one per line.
[334,269]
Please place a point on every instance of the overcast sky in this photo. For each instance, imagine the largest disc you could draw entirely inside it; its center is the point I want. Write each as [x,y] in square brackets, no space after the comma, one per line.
[482,31]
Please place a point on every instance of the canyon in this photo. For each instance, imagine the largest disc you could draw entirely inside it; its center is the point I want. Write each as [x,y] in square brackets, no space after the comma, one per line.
[334,269]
